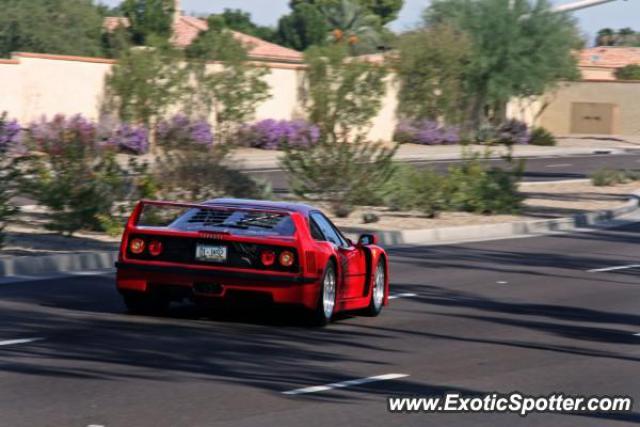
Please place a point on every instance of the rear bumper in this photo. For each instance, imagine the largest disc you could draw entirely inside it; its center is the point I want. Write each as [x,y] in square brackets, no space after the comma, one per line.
[282,289]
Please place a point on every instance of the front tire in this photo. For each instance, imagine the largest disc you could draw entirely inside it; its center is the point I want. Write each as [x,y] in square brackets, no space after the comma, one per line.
[378,290]
[327,298]
[146,303]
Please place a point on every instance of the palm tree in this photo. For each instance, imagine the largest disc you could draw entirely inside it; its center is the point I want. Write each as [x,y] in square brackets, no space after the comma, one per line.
[354,24]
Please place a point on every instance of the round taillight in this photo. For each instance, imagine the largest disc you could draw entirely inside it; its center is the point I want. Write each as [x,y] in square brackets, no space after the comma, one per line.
[155,248]
[286,259]
[268,258]
[136,246]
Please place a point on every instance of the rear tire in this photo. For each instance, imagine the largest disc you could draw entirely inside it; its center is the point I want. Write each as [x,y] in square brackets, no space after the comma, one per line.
[327,298]
[146,303]
[378,290]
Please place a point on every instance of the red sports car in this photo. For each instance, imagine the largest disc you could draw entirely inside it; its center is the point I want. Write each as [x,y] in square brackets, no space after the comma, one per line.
[288,253]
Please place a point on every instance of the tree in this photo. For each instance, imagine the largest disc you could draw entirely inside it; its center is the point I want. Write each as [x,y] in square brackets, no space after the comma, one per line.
[150,20]
[353,23]
[232,88]
[629,72]
[305,26]
[622,37]
[238,20]
[518,49]
[387,10]
[431,68]
[605,37]
[344,168]
[144,83]
[71,27]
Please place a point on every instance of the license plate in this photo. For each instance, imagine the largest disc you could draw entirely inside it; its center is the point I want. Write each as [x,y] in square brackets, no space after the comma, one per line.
[211,253]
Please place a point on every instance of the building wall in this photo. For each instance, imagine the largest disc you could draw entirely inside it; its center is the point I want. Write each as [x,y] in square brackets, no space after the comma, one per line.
[623,96]
[598,73]
[36,85]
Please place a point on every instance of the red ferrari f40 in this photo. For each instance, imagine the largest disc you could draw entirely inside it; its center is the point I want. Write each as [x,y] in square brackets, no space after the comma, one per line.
[287,253]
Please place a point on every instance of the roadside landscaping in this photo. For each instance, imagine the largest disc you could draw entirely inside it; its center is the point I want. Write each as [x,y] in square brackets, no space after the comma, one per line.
[27,235]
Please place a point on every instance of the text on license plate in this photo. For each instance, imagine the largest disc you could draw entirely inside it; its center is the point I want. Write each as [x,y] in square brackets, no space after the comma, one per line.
[211,253]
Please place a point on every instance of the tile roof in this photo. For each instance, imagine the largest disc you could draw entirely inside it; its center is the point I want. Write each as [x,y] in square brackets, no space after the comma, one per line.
[609,56]
[187,28]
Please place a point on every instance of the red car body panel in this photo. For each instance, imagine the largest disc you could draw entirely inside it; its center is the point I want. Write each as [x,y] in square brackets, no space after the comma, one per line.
[300,286]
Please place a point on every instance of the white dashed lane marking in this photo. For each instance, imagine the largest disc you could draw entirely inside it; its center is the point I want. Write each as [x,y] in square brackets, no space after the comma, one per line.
[619,267]
[344,384]
[404,295]
[20,341]
[559,165]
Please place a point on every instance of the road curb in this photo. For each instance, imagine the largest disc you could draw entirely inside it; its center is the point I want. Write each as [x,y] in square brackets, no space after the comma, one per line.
[497,231]
[32,266]
[55,264]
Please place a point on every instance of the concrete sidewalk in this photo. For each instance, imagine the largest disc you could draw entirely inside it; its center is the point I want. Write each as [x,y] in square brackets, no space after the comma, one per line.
[255,159]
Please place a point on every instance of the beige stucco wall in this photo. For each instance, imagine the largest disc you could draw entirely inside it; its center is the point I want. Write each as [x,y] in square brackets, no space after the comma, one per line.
[625,95]
[35,85]
[598,73]
[50,87]
[10,88]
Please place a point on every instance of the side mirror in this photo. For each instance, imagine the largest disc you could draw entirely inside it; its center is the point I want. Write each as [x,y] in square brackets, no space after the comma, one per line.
[367,239]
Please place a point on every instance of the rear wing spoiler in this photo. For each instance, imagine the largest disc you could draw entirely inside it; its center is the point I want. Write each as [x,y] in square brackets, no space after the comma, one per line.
[137,211]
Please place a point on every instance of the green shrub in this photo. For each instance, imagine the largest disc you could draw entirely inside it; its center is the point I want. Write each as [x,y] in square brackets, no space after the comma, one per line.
[78,179]
[411,188]
[472,187]
[343,173]
[607,177]
[628,72]
[9,171]
[198,172]
[541,136]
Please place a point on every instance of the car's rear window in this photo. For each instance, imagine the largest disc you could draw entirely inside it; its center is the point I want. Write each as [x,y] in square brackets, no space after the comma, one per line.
[232,220]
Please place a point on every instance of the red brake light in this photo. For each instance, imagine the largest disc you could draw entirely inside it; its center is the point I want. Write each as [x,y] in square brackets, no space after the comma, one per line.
[136,246]
[155,248]
[268,258]
[286,259]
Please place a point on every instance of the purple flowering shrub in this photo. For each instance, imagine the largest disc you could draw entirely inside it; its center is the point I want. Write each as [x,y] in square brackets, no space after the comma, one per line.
[180,131]
[426,132]
[75,173]
[272,134]
[129,138]
[9,133]
[513,132]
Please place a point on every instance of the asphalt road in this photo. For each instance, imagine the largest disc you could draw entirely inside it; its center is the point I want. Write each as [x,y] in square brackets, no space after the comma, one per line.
[537,169]
[510,315]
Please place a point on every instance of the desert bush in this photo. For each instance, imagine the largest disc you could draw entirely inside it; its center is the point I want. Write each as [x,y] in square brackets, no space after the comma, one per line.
[9,171]
[541,136]
[192,166]
[343,173]
[607,177]
[75,174]
[276,134]
[414,189]
[200,173]
[426,132]
[628,72]
[344,168]
[475,187]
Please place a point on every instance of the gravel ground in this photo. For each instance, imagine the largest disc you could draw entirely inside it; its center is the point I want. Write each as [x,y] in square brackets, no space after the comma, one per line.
[29,237]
